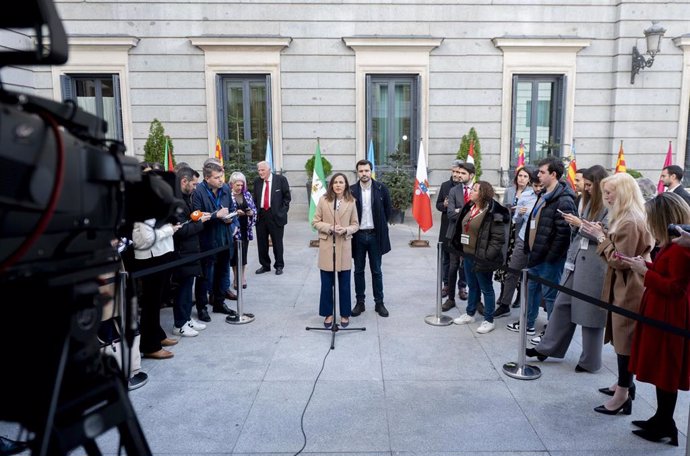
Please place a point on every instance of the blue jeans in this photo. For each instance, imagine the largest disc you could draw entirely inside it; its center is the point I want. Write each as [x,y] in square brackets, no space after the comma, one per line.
[365,243]
[479,282]
[182,310]
[536,291]
[326,300]
[216,270]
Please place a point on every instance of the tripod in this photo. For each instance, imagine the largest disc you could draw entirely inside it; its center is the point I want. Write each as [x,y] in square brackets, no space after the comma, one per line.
[335,327]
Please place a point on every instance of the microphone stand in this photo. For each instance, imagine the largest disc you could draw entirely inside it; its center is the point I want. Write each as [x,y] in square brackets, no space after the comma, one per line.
[335,327]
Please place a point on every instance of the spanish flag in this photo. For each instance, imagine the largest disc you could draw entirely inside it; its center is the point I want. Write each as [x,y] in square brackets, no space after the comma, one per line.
[572,168]
[219,151]
[620,163]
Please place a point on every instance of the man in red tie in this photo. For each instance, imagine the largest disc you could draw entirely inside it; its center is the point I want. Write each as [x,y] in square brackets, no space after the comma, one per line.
[272,192]
[457,198]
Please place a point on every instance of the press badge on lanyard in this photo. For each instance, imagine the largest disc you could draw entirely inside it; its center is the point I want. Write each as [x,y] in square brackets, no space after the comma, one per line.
[584,243]
[465,239]
[533,224]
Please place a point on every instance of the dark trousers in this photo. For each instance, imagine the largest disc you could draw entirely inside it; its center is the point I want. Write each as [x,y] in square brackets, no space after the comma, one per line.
[446,270]
[182,309]
[326,299]
[152,289]
[364,244]
[216,274]
[266,226]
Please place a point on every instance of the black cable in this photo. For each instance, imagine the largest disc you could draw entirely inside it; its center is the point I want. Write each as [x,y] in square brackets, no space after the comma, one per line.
[313,388]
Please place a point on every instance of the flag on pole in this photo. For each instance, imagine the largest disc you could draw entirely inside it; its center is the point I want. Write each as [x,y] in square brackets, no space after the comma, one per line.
[168,160]
[470,158]
[572,167]
[318,183]
[219,151]
[269,153]
[370,157]
[421,201]
[667,162]
[520,157]
[620,163]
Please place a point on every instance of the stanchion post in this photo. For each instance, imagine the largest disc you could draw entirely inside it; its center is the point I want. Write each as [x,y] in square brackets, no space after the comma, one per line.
[241,318]
[520,370]
[439,319]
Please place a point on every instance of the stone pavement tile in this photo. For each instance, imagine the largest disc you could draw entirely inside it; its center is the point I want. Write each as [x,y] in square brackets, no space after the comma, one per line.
[458,416]
[341,417]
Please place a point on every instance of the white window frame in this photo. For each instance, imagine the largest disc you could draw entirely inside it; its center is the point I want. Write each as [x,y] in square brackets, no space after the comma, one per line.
[390,55]
[543,55]
[243,55]
[101,55]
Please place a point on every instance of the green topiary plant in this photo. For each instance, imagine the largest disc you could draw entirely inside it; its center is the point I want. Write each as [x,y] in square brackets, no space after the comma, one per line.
[154,148]
[465,149]
[309,166]
[399,181]
[634,173]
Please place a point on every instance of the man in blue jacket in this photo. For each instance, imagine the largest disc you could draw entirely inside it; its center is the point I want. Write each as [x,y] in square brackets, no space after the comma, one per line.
[213,196]
[374,210]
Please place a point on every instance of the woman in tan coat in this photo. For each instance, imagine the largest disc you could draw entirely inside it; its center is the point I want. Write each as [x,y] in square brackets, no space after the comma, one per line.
[627,235]
[336,221]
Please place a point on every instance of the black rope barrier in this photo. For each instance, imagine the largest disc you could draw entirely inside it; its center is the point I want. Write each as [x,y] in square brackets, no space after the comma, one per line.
[608,306]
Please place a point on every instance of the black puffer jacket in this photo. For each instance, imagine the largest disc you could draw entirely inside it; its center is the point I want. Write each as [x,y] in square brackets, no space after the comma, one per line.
[553,232]
[187,241]
[492,243]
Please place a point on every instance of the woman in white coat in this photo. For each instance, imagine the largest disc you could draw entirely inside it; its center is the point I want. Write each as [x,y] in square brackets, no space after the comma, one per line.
[336,221]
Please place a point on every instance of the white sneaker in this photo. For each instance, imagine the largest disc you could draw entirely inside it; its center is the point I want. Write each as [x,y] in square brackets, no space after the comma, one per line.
[185,331]
[196,325]
[486,327]
[464,319]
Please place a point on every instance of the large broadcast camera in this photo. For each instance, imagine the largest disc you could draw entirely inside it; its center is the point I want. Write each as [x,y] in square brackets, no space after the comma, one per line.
[66,195]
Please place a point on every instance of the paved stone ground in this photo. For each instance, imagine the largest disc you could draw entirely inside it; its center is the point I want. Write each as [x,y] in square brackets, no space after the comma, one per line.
[402,387]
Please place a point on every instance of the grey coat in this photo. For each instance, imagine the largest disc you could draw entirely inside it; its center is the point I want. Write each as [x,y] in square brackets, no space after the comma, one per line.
[588,277]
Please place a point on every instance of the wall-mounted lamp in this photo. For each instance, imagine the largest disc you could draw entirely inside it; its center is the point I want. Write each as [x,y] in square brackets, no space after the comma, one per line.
[653,35]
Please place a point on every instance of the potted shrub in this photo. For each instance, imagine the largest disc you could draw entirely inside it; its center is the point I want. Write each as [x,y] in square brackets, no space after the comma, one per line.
[465,149]
[309,168]
[400,185]
[154,148]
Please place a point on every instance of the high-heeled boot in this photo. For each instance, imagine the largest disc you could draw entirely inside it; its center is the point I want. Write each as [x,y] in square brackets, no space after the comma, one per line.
[659,432]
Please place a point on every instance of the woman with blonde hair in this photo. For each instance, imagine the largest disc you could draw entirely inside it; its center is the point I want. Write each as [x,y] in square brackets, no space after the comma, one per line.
[659,357]
[627,235]
[336,221]
[243,204]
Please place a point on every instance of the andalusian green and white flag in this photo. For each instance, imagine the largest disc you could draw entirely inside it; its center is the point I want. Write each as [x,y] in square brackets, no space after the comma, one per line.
[318,183]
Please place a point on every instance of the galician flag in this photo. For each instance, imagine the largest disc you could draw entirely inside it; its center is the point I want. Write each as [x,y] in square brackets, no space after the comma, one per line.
[421,201]
[620,162]
[520,157]
[219,151]
[269,153]
[667,162]
[318,183]
[370,157]
[572,168]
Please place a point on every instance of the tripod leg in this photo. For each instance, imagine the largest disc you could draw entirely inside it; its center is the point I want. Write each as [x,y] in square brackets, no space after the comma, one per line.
[91,448]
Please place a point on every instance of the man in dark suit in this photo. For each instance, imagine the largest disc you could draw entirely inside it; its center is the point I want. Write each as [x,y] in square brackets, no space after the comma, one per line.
[442,206]
[373,210]
[272,198]
[672,177]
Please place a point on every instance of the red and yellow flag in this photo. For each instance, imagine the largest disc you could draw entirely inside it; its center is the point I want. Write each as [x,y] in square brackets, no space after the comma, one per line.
[219,151]
[520,157]
[572,168]
[620,163]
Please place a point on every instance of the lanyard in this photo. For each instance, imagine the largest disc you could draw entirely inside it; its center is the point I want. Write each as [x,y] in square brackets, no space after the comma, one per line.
[474,212]
[215,199]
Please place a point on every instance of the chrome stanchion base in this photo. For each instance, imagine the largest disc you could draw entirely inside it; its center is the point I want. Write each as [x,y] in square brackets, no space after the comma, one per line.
[436,320]
[526,372]
[243,319]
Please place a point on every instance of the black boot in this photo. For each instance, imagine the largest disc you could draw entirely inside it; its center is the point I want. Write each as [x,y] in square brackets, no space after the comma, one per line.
[358,309]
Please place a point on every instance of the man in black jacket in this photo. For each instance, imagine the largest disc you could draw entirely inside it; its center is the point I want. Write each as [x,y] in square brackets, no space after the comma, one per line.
[442,207]
[374,210]
[672,177]
[272,198]
[547,238]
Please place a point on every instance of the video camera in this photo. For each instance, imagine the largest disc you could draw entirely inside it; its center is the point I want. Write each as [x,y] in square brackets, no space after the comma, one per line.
[67,194]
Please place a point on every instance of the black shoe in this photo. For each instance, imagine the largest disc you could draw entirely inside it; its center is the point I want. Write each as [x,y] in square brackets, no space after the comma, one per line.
[579,368]
[649,424]
[279,271]
[202,315]
[358,309]
[231,295]
[501,311]
[516,304]
[232,318]
[463,294]
[444,291]
[223,309]
[381,310]
[608,392]
[262,269]
[449,304]
[626,408]
[8,446]
[137,380]
[657,435]
[532,352]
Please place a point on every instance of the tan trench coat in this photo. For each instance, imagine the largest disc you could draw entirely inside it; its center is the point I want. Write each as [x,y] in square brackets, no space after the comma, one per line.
[622,286]
[324,219]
